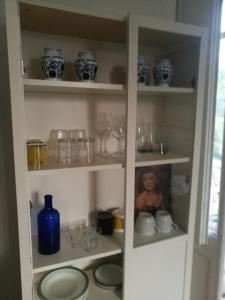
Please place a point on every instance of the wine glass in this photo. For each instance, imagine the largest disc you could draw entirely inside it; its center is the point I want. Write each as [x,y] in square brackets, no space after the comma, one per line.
[118,132]
[103,129]
[140,134]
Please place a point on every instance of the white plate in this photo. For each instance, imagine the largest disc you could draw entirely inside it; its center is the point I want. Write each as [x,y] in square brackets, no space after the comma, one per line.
[67,283]
[108,275]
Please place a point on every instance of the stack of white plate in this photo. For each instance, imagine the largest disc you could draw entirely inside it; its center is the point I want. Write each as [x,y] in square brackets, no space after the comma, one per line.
[108,275]
[67,283]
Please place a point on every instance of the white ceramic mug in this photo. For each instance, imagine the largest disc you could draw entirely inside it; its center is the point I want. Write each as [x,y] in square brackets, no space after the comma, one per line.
[145,224]
[164,222]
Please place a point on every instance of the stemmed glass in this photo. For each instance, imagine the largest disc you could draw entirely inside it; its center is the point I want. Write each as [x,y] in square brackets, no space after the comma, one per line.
[140,134]
[103,129]
[118,132]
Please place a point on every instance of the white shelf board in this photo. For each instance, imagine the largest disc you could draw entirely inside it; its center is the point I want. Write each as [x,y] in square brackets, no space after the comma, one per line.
[141,240]
[67,255]
[155,158]
[142,159]
[163,91]
[95,292]
[54,168]
[60,86]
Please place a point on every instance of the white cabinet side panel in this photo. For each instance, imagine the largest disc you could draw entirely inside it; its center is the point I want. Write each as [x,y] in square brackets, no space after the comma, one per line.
[11,87]
[157,271]
[199,277]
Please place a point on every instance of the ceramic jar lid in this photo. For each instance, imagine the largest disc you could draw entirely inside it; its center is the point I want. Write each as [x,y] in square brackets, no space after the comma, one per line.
[52,52]
[89,55]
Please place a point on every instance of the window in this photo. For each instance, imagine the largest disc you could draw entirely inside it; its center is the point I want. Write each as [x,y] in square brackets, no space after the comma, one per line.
[218,134]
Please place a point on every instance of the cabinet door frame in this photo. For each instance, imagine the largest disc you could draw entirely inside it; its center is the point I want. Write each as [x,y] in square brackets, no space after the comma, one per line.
[134,23]
[15,92]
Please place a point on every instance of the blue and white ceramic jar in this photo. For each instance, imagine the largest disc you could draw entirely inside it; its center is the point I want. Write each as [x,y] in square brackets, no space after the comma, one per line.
[52,64]
[86,66]
[143,72]
[163,73]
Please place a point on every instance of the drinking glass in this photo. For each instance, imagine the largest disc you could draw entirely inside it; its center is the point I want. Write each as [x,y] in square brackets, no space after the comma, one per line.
[90,238]
[55,136]
[86,150]
[76,234]
[153,136]
[64,151]
[118,132]
[103,129]
[75,135]
[140,135]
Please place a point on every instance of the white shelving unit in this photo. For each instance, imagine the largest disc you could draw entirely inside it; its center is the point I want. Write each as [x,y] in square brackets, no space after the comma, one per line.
[162,261]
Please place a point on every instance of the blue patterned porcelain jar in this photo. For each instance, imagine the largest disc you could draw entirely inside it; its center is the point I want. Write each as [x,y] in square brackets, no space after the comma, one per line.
[52,64]
[86,66]
[143,72]
[163,73]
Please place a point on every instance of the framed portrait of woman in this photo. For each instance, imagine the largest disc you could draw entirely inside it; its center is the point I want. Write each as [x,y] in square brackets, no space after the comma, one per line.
[152,188]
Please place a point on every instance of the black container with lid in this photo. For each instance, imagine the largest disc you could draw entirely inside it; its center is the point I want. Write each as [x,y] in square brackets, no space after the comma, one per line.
[105,221]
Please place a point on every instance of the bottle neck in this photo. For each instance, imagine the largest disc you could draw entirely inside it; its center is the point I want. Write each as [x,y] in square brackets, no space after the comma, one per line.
[48,202]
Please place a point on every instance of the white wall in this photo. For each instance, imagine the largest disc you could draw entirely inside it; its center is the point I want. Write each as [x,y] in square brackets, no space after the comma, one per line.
[197,12]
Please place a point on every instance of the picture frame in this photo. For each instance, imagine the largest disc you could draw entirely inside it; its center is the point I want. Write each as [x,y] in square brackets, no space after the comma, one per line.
[152,188]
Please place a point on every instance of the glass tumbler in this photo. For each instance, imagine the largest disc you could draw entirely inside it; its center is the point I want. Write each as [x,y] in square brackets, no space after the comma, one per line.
[86,149]
[90,238]
[64,151]
[74,136]
[76,234]
[55,136]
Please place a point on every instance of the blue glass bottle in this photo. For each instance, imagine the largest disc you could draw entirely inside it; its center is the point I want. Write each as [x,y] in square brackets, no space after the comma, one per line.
[48,228]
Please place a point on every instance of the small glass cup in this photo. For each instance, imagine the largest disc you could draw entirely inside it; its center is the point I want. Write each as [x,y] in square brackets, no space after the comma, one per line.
[75,235]
[86,150]
[77,134]
[91,238]
[74,136]
[55,136]
[64,151]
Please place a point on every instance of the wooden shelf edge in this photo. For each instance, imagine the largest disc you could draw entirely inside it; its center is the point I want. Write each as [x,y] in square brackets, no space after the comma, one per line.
[153,159]
[41,85]
[70,169]
[162,238]
[149,159]
[164,91]
[76,261]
